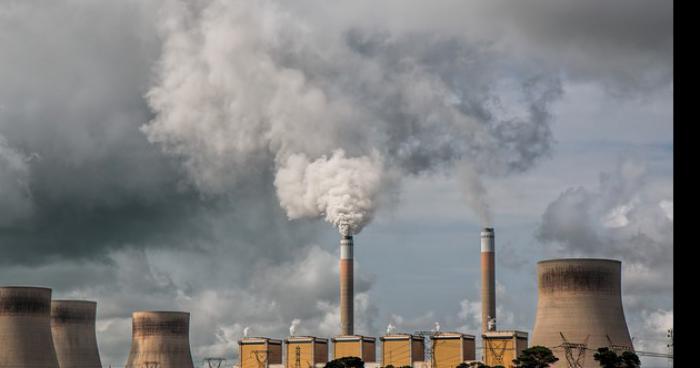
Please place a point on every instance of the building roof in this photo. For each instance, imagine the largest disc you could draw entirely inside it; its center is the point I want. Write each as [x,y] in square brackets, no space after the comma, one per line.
[306,339]
[258,340]
[451,335]
[504,334]
[353,338]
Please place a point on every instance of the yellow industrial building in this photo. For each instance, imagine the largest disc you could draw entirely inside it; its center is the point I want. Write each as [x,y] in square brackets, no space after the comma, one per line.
[501,347]
[306,352]
[362,347]
[259,352]
[452,348]
[401,350]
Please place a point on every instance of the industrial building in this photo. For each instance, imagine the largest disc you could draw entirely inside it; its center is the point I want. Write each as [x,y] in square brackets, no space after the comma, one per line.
[362,347]
[501,347]
[579,309]
[259,352]
[25,328]
[306,352]
[160,340]
[449,349]
[73,331]
[402,349]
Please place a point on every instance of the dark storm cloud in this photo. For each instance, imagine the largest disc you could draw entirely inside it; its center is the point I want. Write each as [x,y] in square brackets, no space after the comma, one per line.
[73,76]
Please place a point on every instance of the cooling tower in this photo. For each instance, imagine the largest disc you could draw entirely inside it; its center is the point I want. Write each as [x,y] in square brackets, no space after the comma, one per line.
[346,286]
[579,302]
[488,280]
[25,328]
[73,329]
[160,340]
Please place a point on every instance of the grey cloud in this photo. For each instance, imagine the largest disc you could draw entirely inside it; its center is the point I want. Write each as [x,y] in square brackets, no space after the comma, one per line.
[623,219]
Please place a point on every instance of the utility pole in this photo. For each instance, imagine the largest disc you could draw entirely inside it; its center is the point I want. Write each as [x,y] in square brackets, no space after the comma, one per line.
[214,362]
[574,362]
[669,346]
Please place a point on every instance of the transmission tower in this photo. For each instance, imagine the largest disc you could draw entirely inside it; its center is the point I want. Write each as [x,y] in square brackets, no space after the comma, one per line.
[429,348]
[261,361]
[214,362]
[669,346]
[569,348]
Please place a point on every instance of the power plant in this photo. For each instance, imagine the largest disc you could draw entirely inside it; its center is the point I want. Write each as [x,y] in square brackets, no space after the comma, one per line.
[25,328]
[579,309]
[73,331]
[346,286]
[160,340]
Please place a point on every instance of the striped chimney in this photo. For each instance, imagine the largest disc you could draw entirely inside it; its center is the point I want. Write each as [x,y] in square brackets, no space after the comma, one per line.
[346,286]
[488,280]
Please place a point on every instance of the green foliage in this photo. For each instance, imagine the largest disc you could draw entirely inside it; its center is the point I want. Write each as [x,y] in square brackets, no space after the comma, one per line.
[346,362]
[535,357]
[609,359]
[630,360]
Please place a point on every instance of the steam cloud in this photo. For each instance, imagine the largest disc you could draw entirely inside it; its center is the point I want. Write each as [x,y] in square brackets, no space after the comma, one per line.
[248,88]
[342,189]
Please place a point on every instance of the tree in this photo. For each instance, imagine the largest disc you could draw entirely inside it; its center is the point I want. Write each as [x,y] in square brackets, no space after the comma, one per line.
[630,360]
[346,362]
[609,359]
[535,357]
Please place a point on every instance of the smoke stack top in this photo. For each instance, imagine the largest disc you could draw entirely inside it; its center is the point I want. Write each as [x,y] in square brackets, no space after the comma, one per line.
[487,240]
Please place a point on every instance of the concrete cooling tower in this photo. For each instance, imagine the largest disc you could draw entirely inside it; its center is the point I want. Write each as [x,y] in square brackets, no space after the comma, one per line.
[25,328]
[73,329]
[160,340]
[579,309]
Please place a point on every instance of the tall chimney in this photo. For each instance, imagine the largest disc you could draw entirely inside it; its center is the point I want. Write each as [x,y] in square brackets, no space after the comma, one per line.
[73,330]
[346,286]
[488,279]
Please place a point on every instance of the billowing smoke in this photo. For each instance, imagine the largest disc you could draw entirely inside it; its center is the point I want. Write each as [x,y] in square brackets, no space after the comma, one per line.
[293,327]
[251,88]
[475,194]
[342,189]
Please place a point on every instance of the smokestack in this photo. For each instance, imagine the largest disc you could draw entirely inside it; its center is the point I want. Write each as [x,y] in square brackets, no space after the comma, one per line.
[25,328]
[73,330]
[579,302]
[488,280]
[160,340]
[346,286]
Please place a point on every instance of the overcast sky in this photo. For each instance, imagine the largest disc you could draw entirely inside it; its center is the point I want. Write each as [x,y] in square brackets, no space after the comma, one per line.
[183,155]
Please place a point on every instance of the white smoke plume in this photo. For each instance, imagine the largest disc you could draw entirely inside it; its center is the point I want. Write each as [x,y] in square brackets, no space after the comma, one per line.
[253,88]
[293,327]
[342,189]
[475,193]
